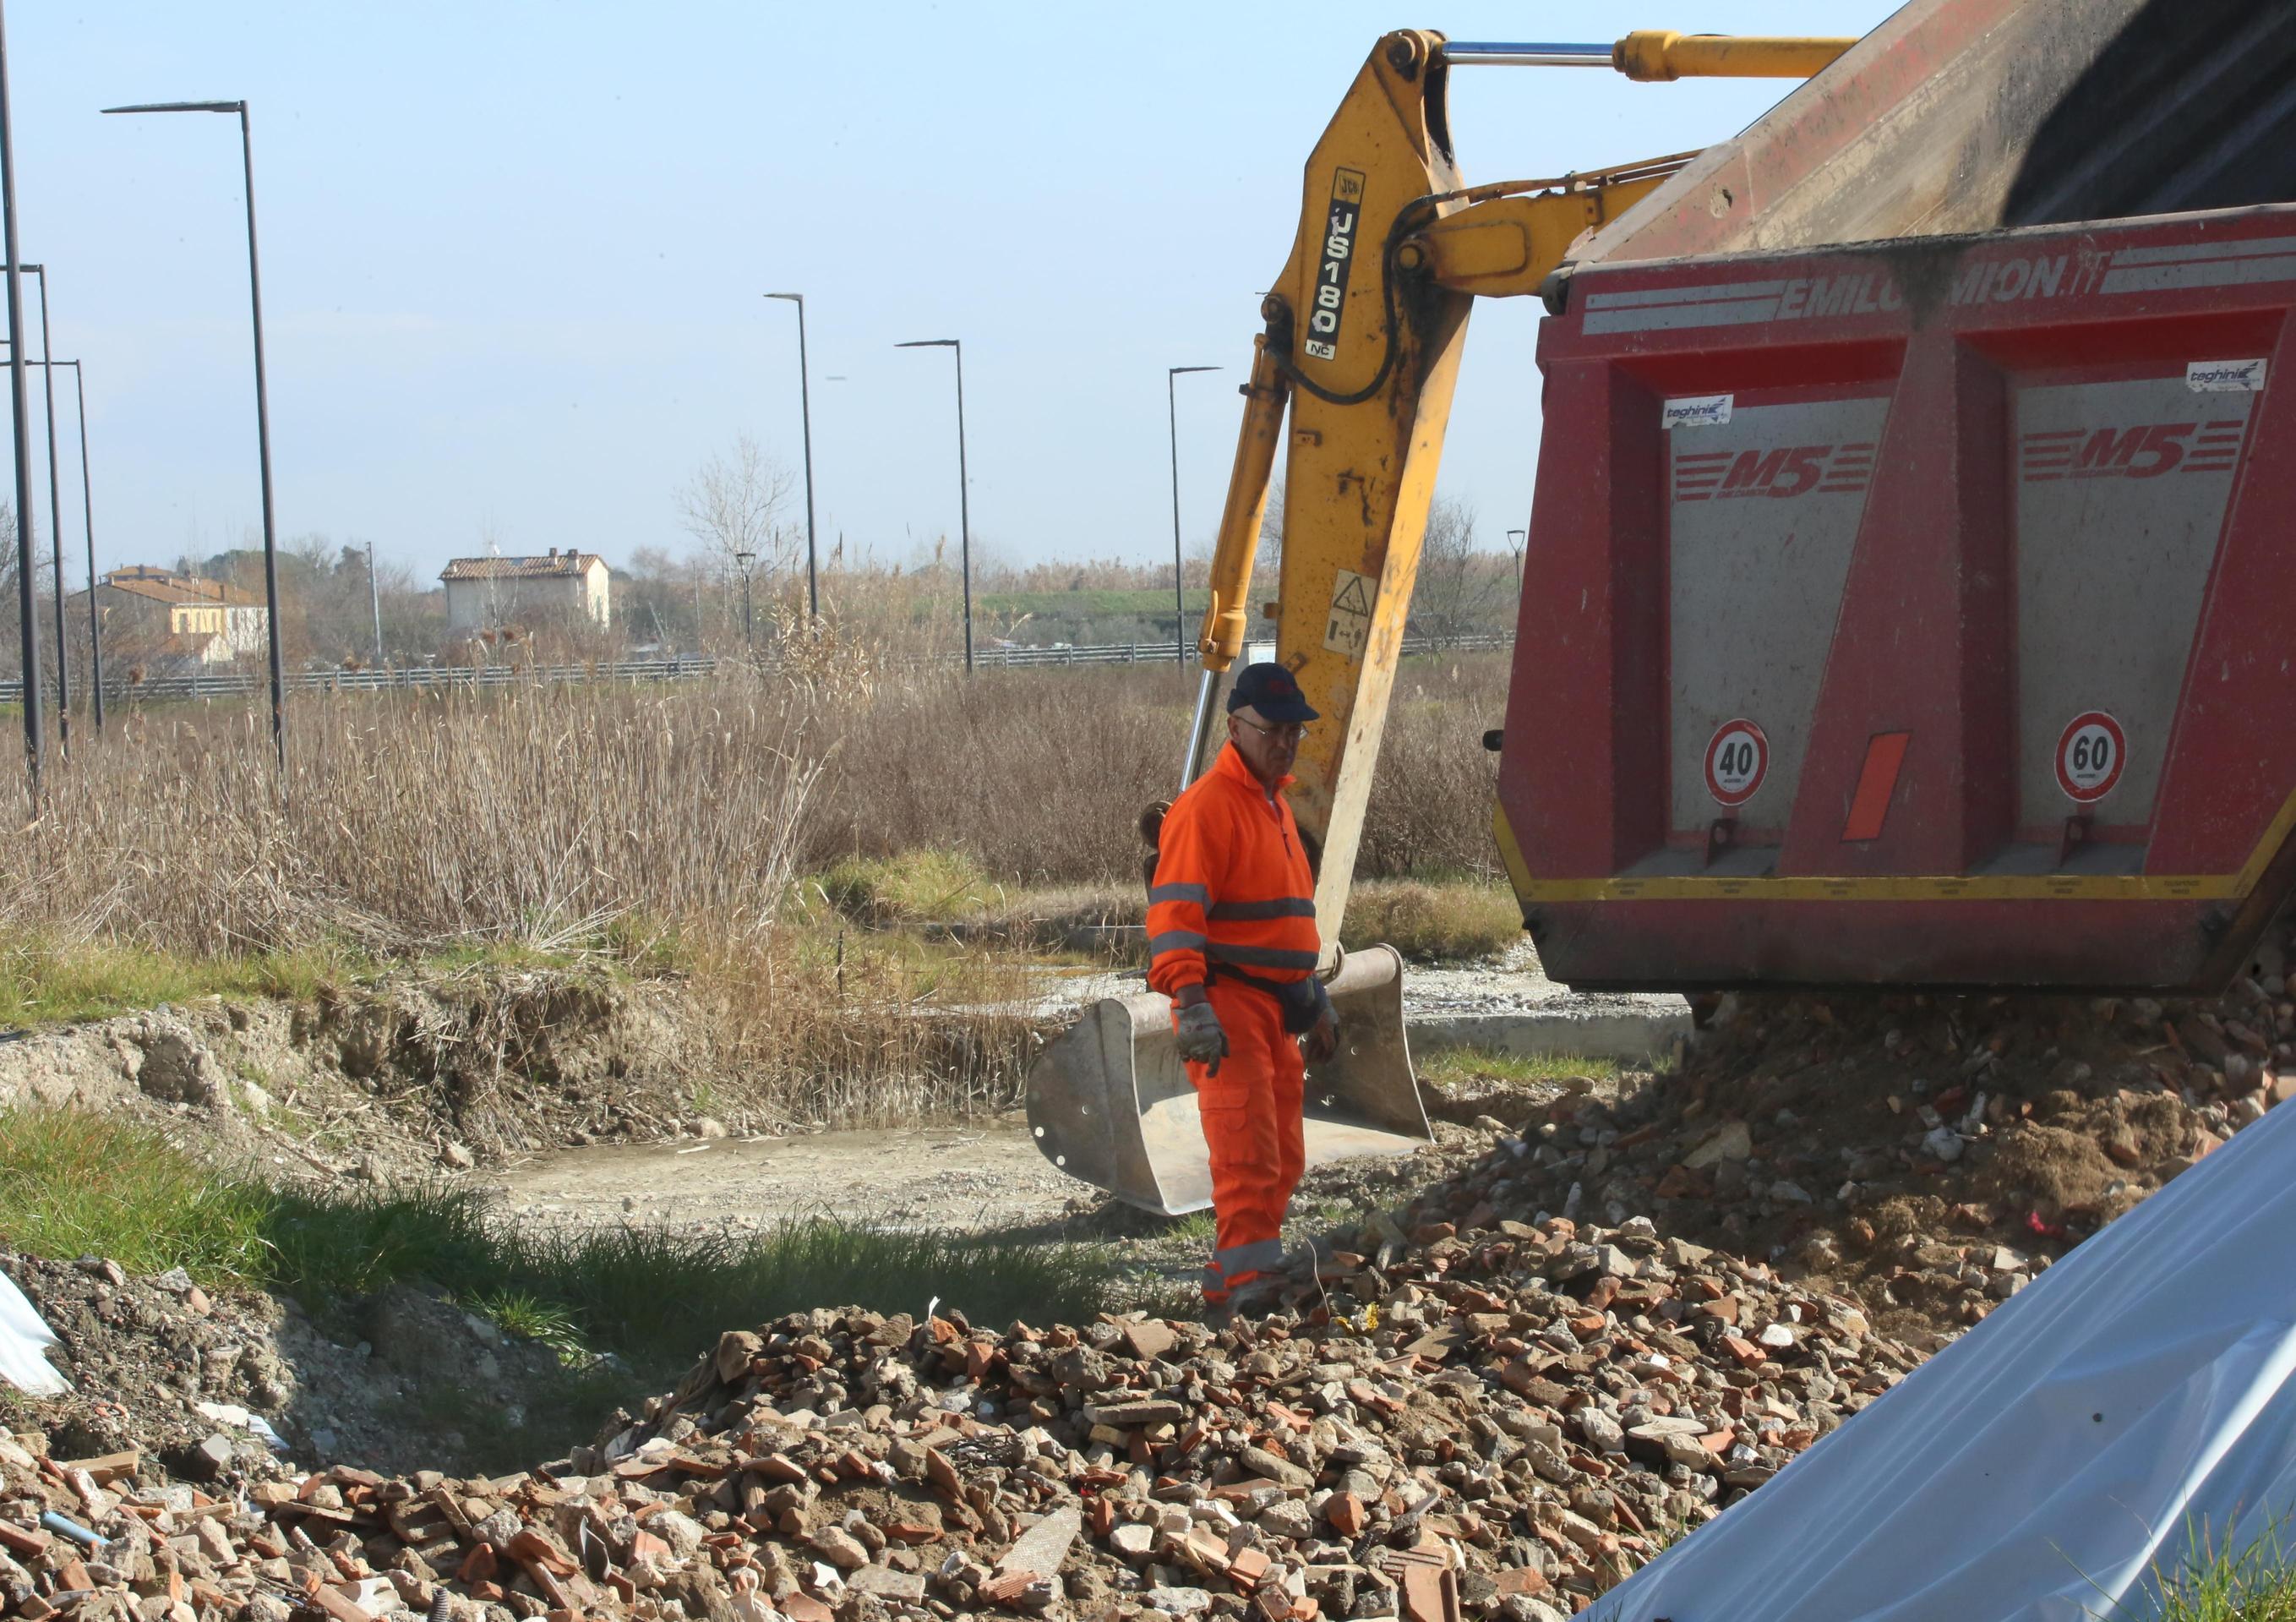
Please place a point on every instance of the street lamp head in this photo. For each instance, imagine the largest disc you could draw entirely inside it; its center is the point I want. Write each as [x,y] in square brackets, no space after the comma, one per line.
[1177,371]
[928,343]
[745,558]
[182,107]
[794,298]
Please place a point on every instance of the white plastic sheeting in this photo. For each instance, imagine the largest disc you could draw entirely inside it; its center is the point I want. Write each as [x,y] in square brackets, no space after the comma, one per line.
[2133,1397]
[24,1336]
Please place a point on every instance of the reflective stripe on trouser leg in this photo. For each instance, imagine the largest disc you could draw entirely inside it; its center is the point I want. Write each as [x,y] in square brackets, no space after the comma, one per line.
[1252,1148]
[1241,1261]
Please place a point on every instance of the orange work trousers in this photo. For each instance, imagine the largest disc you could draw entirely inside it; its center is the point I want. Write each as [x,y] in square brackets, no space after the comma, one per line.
[1253,1126]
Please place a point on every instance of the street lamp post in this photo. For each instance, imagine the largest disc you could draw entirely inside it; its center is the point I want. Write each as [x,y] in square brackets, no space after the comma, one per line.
[374,601]
[262,414]
[805,413]
[26,601]
[748,637]
[55,520]
[87,519]
[1180,599]
[964,506]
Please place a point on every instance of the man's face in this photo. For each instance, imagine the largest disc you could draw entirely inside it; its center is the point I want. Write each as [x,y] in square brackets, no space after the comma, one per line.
[1268,750]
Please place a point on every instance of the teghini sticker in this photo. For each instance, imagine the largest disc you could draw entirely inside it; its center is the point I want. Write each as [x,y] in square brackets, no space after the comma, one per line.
[2224,376]
[1697,411]
[1338,255]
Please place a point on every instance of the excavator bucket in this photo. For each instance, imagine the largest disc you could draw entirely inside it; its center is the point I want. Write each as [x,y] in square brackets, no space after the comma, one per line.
[1110,1103]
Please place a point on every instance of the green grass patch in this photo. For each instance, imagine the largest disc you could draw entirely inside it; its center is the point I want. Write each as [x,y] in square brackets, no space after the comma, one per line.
[2254,1584]
[1464,1066]
[1433,922]
[74,1185]
[517,1313]
[909,888]
[1196,1225]
[44,981]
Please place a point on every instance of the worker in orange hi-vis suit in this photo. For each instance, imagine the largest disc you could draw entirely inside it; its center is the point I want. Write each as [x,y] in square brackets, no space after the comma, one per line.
[1232,941]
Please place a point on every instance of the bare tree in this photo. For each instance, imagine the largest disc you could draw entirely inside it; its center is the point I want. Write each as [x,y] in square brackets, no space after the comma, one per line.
[731,505]
[1462,588]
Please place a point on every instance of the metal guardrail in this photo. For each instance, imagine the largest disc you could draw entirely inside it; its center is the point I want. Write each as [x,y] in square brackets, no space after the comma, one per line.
[239,683]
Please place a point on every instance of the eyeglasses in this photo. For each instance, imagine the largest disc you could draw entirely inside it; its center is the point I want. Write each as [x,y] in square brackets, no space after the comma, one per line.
[1290,733]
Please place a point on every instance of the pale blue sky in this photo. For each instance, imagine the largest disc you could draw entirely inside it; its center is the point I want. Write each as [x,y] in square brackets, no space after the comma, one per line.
[513,252]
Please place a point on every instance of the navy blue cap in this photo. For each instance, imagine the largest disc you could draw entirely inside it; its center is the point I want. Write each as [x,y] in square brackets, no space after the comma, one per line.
[1270,690]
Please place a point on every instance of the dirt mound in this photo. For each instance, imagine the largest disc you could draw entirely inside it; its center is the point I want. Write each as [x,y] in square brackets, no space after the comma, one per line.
[1923,1154]
[161,1368]
[410,1073]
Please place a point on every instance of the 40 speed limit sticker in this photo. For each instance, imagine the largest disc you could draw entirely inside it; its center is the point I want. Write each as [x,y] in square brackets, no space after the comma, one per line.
[2089,756]
[1737,760]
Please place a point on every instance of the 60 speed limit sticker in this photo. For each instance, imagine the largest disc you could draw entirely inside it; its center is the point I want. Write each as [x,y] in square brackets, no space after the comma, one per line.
[2089,756]
[1738,759]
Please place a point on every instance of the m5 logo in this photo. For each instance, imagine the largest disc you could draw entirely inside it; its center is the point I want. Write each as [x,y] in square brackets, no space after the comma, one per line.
[1779,472]
[2146,450]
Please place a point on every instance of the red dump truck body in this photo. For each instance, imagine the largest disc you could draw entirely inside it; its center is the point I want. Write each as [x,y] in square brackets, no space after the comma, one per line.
[1914,612]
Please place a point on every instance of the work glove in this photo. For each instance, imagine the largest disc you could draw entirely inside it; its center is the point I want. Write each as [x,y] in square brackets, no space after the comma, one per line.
[1323,1038]
[1201,1041]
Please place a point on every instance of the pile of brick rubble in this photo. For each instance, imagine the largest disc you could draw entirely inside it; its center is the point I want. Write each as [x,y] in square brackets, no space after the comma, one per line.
[1496,1400]
[1490,1418]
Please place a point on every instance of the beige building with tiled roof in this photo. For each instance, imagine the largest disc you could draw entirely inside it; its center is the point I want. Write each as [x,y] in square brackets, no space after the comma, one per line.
[160,616]
[483,593]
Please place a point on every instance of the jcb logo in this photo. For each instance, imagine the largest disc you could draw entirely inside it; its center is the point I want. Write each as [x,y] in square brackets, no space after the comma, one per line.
[2146,451]
[1779,472]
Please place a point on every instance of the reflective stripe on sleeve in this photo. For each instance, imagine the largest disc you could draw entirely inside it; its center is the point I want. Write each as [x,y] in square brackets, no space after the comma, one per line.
[1181,940]
[1179,893]
[1251,957]
[1285,907]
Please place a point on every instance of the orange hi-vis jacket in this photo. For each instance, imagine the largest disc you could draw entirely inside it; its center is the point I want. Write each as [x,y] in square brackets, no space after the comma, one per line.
[1231,883]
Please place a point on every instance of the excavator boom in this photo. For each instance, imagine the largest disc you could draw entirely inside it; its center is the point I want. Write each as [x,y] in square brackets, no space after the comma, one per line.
[1351,382]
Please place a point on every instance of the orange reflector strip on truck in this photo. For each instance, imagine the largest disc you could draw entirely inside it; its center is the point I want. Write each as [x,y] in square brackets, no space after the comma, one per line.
[1876,783]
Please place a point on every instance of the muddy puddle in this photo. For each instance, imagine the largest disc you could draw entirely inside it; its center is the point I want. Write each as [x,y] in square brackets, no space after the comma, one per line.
[975,1175]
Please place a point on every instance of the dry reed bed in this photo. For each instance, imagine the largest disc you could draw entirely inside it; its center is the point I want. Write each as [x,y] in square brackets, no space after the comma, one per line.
[408,821]
[529,814]
[1040,776]
[568,816]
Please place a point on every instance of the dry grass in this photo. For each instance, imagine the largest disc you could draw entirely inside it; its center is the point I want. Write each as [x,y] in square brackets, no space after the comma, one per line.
[1429,814]
[413,820]
[1040,776]
[755,836]
[1456,921]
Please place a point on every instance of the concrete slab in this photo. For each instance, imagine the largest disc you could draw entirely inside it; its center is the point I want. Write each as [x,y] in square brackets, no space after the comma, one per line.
[1508,1004]
[1628,1035]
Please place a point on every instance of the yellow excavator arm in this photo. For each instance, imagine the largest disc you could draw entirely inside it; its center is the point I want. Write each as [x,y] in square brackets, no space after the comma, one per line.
[1351,382]
[1361,347]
